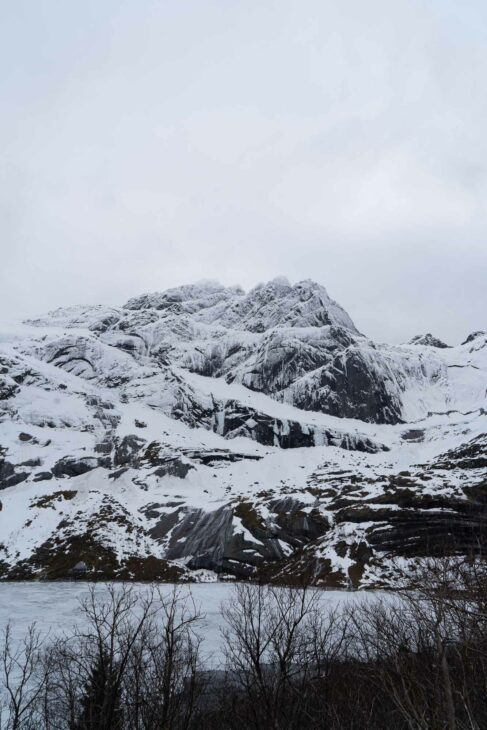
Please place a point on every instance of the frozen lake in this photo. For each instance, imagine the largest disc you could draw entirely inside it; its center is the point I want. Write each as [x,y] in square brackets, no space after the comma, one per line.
[55,607]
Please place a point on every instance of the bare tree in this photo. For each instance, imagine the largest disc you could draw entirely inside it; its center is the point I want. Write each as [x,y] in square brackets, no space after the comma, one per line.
[279,648]
[131,666]
[23,680]
[162,681]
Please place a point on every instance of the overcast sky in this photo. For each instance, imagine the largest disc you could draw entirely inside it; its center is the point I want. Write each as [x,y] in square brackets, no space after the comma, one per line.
[146,144]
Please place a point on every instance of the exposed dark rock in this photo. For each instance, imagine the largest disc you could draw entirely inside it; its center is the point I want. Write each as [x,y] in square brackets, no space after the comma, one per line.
[214,541]
[201,533]
[213,456]
[472,455]
[118,472]
[296,525]
[8,388]
[428,340]
[103,324]
[153,510]
[8,476]
[413,434]
[30,462]
[166,522]
[430,533]
[175,467]
[98,402]
[48,499]
[353,386]
[104,447]
[69,467]
[235,420]
[210,540]
[43,476]
[473,336]
[127,450]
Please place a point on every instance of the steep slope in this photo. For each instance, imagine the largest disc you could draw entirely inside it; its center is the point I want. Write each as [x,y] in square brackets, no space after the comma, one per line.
[204,431]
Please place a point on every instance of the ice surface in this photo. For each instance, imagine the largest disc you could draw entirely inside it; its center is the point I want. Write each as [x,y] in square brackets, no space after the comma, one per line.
[56,607]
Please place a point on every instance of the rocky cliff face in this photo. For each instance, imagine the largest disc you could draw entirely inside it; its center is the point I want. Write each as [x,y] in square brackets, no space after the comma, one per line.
[205,430]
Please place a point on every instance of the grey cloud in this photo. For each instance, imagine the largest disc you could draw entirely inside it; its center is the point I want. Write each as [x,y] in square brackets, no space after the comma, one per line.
[149,144]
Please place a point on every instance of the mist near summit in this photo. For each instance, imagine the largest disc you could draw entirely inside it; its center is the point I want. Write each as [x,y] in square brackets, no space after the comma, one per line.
[147,145]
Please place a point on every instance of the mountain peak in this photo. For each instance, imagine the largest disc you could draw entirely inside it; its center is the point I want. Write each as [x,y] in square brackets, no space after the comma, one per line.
[428,340]
[277,303]
[188,297]
[473,336]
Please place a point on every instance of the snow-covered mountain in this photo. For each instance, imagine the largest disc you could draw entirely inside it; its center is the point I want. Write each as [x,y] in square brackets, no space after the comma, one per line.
[204,430]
